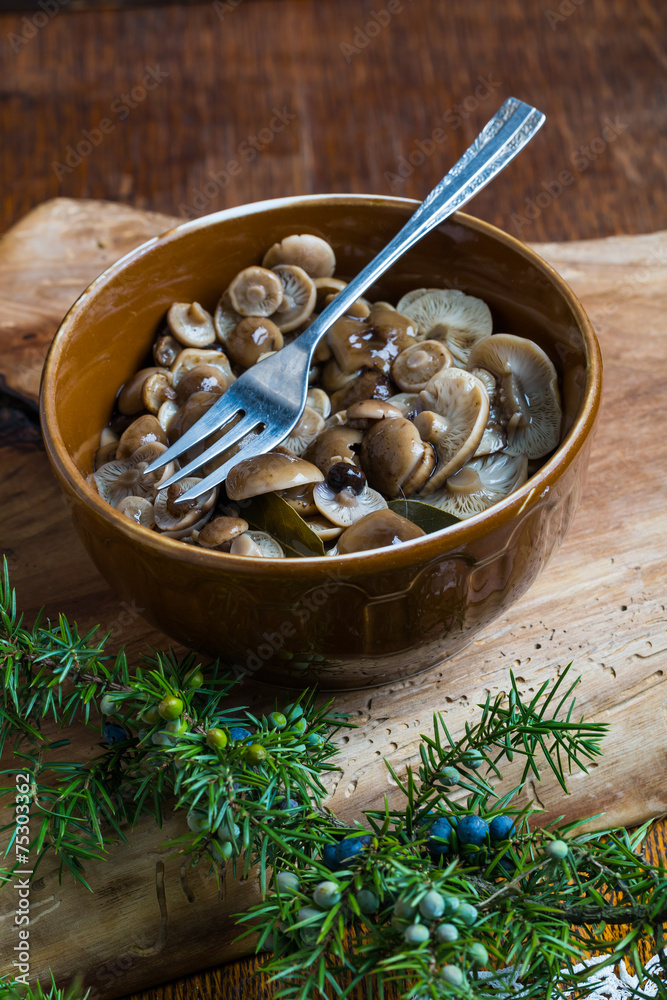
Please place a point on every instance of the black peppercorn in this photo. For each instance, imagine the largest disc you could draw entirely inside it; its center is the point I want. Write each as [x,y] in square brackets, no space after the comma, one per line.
[342,475]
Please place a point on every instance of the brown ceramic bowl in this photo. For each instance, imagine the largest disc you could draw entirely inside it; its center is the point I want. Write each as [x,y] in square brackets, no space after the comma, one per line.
[349,621]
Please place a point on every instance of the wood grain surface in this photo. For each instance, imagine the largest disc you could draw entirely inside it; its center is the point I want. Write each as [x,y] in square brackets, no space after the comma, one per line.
[600,603]
[363,117]
[362,101]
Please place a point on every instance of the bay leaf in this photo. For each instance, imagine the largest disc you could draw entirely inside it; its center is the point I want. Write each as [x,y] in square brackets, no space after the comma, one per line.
[271,513]
[424,515]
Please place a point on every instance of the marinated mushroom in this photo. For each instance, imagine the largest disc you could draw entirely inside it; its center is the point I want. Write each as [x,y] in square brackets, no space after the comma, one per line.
[395,459]
[416,365]
[298,297]
[311,253]
[455,408]
[460,320]
[481,483]
[270,472]
[309,427]
[373,342]
[376,530]
[165,350]
[458,439]
[127,477]
[326,287]
[158,389]
[251,339]
[319,401]
[138,509]
[301,499]
[107,449]
[191,324]
[367,412]
[225,317]
[201,378]
[344,507]
[528,394]
[143,430]
[494,437]
[255,291]
[220,532]
[335,444]
[369,384]
[176,520]
[258,544]
[191,357]
[130,398]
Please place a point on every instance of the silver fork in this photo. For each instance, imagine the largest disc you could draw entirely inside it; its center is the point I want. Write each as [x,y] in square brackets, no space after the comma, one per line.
[271,395]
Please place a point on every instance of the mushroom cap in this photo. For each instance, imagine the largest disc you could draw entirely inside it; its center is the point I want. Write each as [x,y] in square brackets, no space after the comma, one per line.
[367,412]
[395,459]
[460,320]
[166,414]
[455,408]
[359,309]
[310,426]
[268,473]
[406,402]
[255,291]
[177,520]
[324,528]
[346,507]
[130,399]
[528,393]
[190,357]
[376,530]
[166,349]
[311,253]
[258,544]
[225,317]
[319,401]
[494,437]
[253,337]
[325,286]
[416,365]
[369,384]
[201,378]
[221,530]
[143,430]
[372,342]
[298,297]
[334,444]
[481,483]
[191,324]
[138,509]
[301,499]
[157,389]
[126,477]
[334,378]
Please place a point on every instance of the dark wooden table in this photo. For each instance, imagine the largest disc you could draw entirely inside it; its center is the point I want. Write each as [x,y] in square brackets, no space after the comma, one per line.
[190,108]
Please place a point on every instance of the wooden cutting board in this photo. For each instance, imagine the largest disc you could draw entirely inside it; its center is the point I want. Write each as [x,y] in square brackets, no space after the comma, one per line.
[600,603]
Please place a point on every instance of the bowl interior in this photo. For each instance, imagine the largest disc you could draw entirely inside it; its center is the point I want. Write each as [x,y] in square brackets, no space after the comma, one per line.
[109,332]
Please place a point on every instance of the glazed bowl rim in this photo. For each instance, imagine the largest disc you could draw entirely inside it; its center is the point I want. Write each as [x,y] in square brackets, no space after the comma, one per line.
[418,550]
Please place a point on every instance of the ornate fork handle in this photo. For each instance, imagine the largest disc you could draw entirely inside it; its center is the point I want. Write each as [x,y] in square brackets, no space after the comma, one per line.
[500,140]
